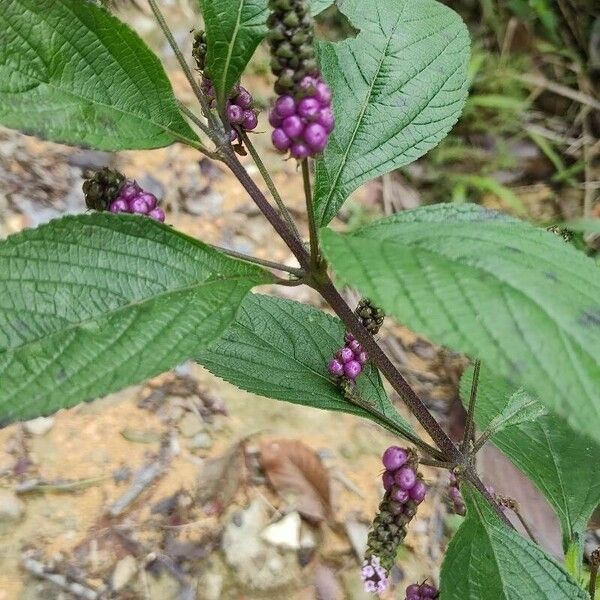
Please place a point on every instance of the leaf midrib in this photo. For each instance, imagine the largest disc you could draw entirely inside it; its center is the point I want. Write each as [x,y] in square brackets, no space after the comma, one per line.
[130,305]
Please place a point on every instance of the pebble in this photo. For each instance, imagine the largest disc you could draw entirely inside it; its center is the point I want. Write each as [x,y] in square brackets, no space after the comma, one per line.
[285,533]
[39,426]
[11,508]
[201,441]
[124,572]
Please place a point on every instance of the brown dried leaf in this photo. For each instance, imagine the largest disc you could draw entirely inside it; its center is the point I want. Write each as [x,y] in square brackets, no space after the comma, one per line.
[294,468]
[220,477]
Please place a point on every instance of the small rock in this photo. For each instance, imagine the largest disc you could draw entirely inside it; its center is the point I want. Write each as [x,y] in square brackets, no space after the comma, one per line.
[39,426]
[190,425]
[212,586]
[284,533]
[357,533]
[11,508]
[307,539]
[124,572]
[201,441]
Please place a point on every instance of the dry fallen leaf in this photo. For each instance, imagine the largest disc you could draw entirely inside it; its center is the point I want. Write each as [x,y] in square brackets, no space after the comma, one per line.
[220,477]
[294,469]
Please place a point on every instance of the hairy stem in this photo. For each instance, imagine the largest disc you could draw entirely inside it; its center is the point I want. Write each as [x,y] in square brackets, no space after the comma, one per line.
[260,261]
[285,213]
[192,117]
[310,211]
[215,128]
[469,433]
[594,566]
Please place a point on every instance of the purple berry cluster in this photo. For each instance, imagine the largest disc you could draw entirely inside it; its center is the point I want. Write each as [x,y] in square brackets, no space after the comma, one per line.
[458,503]
[350,360]
[422,591]
[404,491]
[239,108]
[133,199]
[302,122]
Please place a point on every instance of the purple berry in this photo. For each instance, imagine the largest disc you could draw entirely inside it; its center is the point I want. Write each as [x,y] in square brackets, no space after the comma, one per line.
[414,588]
[388,480]
[336,368]
[308,108]
[348,337]
[149,199]
[454,494]
[139,205]
[233,135]
[315,136]
[352,369]
[400,495]
[235,114]
[405,477]
[299,150]
[418,491]
[323,94]
[158,214]
[129,191]
[452,478]
[345,354]
[280,140]
[250,120]
[292,126]
[285,106]
[274,119]
[413,596]
[428,591]
[363,358]
[355,346]
[119,205]
[326,119]
[244,98]
[394,458]
[308,85]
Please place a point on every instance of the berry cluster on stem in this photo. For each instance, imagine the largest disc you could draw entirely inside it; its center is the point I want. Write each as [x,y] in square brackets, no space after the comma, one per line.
[349,361]
[239,108]
[371,316]
[404,491]
[109,190]
[458,503]
[423,591]
[302,116]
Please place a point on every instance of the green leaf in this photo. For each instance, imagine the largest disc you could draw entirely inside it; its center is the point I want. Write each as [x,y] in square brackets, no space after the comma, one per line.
[518,297]
[280,349]
[234,28]
[486,560]
[318,6]
[91,304]
[543,446]
[71,72]
[398,88]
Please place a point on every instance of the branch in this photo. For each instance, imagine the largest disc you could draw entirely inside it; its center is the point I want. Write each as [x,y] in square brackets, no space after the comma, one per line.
[469,432]
[260,261]
[310,211]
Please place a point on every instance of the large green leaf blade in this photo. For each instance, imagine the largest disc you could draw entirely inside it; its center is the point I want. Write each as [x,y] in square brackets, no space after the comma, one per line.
[93,303]
[516,296]
[234,28]
[71,72]
[280,349]
[556,458]
[486,560]
[398,88]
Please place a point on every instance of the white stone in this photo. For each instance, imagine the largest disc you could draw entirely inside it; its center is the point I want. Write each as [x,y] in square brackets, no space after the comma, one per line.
[11,508]
[285,533]
[39,426]
[124,572]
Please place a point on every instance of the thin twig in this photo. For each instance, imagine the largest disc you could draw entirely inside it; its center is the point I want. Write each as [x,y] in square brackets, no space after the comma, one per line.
[260,261]
[594,566]
[215,127]
[561,90]
[310,211]
[192,117]
[470,423]
[285,213]
[513,505]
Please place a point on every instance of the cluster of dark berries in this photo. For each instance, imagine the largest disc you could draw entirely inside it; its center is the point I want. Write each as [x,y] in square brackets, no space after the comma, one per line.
[458,503]
[404,491]
[424,591]
[240,111]
[371,316]
[291,38]
[109,190]
[133,199]
[350,360]
[302,116]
